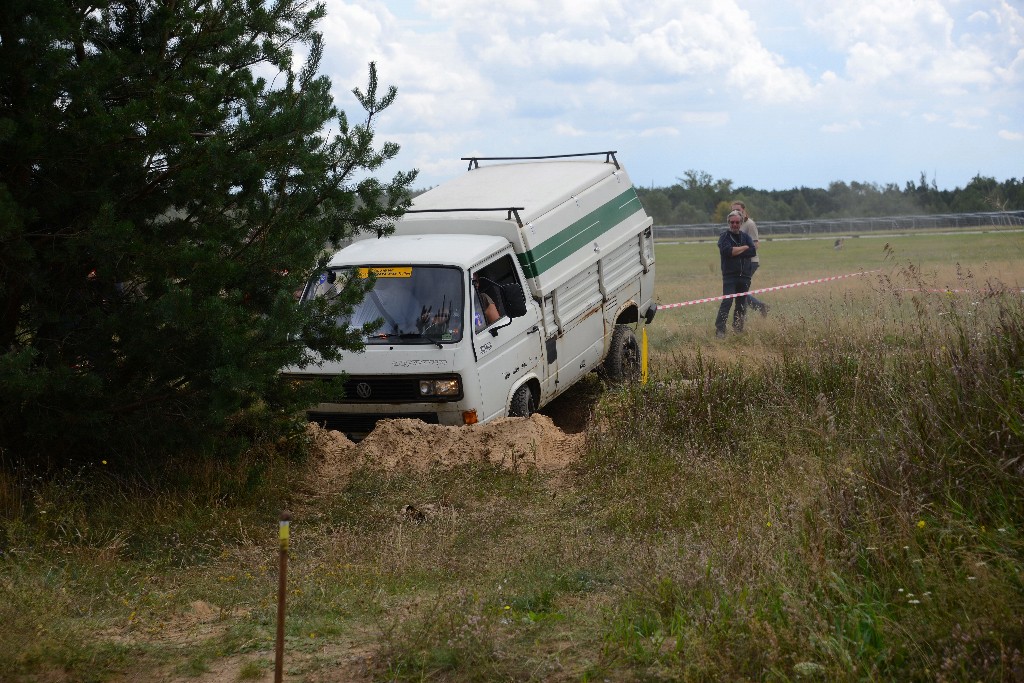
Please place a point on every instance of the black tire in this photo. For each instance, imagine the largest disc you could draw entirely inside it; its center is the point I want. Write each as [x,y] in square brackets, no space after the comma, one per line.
[622,364]
[523,403]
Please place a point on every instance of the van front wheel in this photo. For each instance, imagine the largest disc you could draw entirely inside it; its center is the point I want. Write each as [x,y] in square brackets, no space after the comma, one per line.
[622,363]
[523,403]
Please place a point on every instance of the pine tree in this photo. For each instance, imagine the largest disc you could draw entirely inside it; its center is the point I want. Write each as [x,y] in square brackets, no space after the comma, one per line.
[167,182]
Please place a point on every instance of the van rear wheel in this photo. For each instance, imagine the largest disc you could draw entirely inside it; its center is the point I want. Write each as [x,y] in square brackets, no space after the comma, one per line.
[523,403]
[622,364]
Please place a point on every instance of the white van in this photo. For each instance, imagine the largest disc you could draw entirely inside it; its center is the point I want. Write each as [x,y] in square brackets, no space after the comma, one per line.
[497,291]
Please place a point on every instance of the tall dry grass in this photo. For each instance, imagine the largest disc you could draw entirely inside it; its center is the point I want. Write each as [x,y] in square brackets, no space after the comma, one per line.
[836,495]
[847,507]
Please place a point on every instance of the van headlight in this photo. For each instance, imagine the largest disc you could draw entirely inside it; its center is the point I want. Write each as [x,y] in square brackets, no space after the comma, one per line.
[440,387]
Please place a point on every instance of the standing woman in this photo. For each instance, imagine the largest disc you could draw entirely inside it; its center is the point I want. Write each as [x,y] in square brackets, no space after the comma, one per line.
[750,227]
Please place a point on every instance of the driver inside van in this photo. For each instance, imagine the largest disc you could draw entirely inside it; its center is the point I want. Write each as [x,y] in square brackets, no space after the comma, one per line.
[487,307]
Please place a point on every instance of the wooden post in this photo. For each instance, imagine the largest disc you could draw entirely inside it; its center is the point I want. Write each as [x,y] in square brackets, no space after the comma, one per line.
[282,582]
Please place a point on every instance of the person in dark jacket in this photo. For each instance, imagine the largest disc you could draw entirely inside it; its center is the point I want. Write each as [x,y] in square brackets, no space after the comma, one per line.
[736,248]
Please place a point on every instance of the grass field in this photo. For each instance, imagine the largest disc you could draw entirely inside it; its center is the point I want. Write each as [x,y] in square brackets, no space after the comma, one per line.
[835,495]
[688,271]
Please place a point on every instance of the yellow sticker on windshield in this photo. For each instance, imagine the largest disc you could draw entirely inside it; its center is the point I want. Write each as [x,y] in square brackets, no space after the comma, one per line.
[386,271]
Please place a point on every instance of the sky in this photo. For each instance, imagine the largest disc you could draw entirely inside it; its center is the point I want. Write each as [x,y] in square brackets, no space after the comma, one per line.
[771,94]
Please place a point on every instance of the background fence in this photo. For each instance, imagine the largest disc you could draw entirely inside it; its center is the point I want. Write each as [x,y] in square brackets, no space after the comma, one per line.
[840,227]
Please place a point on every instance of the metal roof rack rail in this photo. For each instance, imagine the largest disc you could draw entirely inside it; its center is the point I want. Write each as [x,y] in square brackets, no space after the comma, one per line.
[512,211]
[608,158]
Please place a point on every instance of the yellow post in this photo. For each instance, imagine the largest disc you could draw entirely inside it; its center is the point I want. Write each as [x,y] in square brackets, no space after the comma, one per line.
[643,356]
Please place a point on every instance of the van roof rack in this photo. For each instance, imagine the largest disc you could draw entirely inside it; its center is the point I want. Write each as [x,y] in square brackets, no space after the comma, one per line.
[608,158]
[512,211]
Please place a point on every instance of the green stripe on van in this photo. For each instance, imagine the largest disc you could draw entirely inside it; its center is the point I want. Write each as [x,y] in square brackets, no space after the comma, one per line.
[584,231]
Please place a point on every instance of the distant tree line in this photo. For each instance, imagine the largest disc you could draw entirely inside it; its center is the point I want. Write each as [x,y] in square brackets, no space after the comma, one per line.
[697,197]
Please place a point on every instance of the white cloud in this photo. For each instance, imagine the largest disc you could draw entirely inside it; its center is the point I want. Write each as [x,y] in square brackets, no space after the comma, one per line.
[656,40]
[844,127]
[436,90]
[1012,136]
[919,46]
[970,117]
[571,131]
[859,77]
[660,132]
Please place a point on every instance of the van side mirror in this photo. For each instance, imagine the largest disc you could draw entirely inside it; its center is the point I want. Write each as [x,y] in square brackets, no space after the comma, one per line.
[515,300]
[503,321]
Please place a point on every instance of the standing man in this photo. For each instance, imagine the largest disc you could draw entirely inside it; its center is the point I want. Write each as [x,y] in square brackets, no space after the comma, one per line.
[750,227]
[737,249]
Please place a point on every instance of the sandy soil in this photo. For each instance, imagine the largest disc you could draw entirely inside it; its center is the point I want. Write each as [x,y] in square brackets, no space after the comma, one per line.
[516,443]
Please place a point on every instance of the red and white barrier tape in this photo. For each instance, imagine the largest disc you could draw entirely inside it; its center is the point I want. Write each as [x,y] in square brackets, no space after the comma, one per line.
[662,307]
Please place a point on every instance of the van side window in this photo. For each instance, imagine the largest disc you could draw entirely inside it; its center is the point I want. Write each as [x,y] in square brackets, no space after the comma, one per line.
[488,282]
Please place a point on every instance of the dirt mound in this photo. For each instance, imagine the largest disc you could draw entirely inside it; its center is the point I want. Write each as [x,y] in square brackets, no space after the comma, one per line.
[512,442]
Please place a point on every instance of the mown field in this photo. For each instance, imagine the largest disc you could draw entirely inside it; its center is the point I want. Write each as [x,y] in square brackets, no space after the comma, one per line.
[688,271]
[837,494]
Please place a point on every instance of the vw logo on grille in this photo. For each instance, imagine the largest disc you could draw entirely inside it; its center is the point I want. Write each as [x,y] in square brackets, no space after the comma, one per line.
[364,390]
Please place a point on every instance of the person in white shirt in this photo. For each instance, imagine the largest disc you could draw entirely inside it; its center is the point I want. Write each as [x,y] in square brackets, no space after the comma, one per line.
[750,227]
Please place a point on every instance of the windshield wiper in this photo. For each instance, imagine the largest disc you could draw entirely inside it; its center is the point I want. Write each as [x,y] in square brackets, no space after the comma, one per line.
[421,335]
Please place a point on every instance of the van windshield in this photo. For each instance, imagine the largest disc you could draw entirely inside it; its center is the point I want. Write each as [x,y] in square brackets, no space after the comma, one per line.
[411,304]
